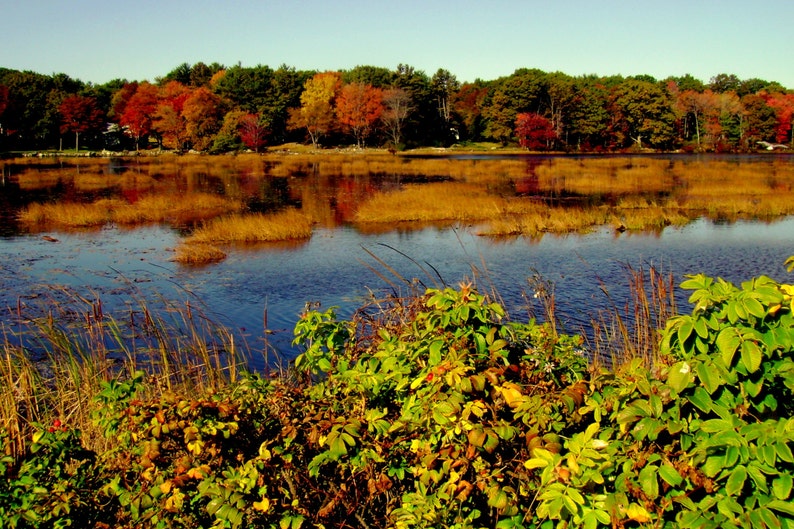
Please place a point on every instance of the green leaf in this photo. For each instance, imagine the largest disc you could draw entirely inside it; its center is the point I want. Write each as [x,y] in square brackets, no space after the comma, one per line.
[735,482]
[753,307]
[679,376]
[728,340]
[701,398]
[716,425]
[435,352]
[670,475]
[784,452]
[751,355]
[781,506]
[648,482]
[710,379]
[781,486]
[685,330]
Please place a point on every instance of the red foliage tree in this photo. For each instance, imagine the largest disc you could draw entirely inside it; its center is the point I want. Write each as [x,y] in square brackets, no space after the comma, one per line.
[534,132]
[252,132]
[358,107]
[79,114]
[138,113]
[783,105]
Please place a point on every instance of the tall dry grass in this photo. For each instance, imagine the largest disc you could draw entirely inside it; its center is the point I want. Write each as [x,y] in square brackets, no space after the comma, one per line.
[53,363]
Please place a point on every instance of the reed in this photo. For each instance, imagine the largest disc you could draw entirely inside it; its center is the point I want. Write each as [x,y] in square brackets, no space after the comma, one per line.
[54,361]
[189,208]
[631,330]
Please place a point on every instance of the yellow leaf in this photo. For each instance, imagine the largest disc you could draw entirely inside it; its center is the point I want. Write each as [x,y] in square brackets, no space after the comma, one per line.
[638,514]
[512,395]
[263,505]
[165,487]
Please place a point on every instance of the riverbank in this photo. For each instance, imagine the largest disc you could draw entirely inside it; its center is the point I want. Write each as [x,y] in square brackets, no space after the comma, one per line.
[431,406]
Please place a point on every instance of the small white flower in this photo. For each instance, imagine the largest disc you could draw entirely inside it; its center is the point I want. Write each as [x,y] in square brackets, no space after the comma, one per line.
[684,368]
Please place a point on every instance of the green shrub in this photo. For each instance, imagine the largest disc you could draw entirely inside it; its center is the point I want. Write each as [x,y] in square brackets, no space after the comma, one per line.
[437,411]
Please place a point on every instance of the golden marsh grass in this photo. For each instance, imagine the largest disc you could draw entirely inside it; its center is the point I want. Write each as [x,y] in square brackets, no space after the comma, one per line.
[254,227]
[150,208]
[639,192]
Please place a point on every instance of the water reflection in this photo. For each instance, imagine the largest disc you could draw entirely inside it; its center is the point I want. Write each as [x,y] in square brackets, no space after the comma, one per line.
[336,268]
[343,262]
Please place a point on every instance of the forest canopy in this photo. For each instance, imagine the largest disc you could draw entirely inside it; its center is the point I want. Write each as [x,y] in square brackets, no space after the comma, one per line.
[214,108]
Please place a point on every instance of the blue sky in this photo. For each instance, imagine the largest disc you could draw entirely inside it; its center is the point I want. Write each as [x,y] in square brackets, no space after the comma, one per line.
[99,40]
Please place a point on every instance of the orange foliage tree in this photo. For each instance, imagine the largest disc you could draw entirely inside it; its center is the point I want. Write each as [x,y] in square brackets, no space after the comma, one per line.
[203,115]
[168,118]
[358,107]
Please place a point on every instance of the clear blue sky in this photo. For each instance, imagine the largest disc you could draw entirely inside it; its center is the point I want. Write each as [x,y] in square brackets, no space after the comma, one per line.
[99,40]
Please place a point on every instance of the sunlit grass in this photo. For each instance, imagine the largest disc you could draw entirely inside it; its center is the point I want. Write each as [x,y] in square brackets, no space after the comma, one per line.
[78,347]
[165,207]
[431,202]
[69,214]
[150,208]
[198,253]
[254,227]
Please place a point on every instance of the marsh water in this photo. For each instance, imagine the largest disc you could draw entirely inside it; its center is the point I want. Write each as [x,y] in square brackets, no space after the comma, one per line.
[342,264]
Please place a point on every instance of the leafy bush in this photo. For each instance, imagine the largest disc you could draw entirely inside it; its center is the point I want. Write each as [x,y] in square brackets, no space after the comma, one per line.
[437,411]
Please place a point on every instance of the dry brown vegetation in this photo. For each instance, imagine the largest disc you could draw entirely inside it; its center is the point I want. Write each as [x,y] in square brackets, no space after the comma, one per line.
[502,196]
[151,208]
[201,247]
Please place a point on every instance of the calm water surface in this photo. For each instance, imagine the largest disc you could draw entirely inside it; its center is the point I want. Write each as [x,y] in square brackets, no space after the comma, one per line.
[335,268]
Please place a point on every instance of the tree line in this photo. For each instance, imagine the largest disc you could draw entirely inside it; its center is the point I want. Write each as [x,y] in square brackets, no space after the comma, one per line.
[215,108]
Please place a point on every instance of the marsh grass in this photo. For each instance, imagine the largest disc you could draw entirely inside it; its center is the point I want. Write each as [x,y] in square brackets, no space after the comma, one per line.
[189,208]
[254,227]
[631,330]
[431,202]
[201,246]
[52,365]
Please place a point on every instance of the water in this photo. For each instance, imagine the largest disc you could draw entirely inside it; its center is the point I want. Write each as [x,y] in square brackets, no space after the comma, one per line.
[336,268]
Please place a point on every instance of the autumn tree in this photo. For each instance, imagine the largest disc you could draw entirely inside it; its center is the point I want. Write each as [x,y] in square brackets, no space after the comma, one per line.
[396,107]
[783,105]
[467,104]
[138,114]
[80,114]
[316,111]
[358,107]
[253,133]
[534,132]
[168,119]
[203,117]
